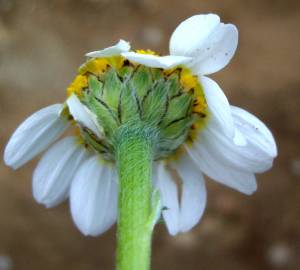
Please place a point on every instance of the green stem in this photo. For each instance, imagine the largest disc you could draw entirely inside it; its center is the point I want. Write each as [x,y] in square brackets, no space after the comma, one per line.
[134,154]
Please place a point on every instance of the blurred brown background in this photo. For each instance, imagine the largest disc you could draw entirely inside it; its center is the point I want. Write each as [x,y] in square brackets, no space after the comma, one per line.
[41,45]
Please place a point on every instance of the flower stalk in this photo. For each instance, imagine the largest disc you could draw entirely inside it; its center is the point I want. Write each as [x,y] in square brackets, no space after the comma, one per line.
[137,216]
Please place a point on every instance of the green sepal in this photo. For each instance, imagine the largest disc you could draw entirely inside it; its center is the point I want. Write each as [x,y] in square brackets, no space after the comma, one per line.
[107,118]
[129,108]
[173,136]
[112,89]
[155,103]
[177,127]
[141,81]
[95,86]
[157,74]
[125,72]
[98,145]
[178,108]
[175,87]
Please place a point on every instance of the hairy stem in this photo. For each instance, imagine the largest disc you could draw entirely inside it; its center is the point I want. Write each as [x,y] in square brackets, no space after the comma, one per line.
[134,154]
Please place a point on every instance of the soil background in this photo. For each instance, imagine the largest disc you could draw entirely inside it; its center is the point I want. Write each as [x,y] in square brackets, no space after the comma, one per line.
[41,45]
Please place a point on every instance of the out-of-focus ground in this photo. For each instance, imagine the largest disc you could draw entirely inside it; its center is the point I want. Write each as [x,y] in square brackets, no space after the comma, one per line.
[41,45]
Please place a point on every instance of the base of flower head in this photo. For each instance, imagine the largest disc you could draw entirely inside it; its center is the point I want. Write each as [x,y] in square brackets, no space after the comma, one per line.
[121,92]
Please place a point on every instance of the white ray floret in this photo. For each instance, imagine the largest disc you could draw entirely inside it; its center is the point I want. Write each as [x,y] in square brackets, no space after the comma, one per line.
[93,197]
[55,171]
[218,106]
[34,135]
[169,198]
[193,198]
[83,115]
[155,61]
[211,43]
[121,47]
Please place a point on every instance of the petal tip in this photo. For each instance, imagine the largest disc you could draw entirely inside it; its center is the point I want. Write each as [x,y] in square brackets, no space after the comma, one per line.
[8,159]
[117,49]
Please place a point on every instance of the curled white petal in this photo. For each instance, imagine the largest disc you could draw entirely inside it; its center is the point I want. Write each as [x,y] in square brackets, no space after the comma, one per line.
[34,135]
[218,106]
[117,49]
[209,163]
[83,115]
[255,131]
[254,155]
[93,197]
[55,171]
[169,198]
[211,43]
[242,157]
[193,200]
[155,61]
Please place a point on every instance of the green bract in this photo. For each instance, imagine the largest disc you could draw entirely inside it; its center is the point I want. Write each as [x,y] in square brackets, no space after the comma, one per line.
[135,95]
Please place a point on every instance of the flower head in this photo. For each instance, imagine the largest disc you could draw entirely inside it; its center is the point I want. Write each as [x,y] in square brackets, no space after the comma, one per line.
[197,131]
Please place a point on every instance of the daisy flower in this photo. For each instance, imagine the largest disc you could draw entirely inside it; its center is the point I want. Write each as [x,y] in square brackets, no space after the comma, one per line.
[169,99]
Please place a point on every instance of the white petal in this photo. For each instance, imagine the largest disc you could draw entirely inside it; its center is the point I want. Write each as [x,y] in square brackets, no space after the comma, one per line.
[209,164]
[227,151]
[155,61]
[169,198]
[117,49]
[218,106]
[255,131]
[34,135]
[191,33]
[193,200]
[239,139]
[211,44]
[83,115]
[55,171]
[94,197]
[255,156]
[216,52]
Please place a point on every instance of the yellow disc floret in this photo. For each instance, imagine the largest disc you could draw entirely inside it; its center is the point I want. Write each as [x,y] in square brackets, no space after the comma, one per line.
[188,80]
[200,105]
[77,85]
[116,62]
[96,66]
[150,52]
[99,66]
